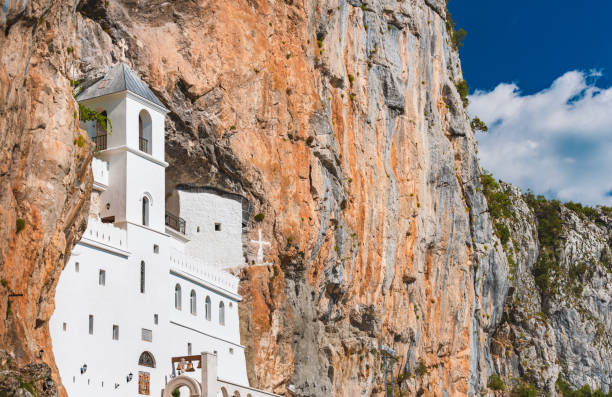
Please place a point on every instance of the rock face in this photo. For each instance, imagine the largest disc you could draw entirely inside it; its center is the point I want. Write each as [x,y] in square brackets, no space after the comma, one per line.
[557,317]
[45,178]
[341,123]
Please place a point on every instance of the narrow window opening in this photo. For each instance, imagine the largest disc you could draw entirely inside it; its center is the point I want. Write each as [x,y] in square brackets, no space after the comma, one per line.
[145,211]
[231,350]
[198,229]
[142,277]
[192,303]
[155,249]
[64,326]
[115,332]
[189,349]
[91,324]
[221,313]
[155,319]
[217,227]
[102,277]
[207,308]
[76,267]
[177,297]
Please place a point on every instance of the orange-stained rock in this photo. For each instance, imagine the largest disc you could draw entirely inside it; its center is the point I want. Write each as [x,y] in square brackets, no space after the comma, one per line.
[45,180]
[341,123]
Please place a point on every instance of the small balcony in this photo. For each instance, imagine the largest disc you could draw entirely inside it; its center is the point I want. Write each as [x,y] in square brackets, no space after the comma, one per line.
[100,141]
[143,145]
[175,222]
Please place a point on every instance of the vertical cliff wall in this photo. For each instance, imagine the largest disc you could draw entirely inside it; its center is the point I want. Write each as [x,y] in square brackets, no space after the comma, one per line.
[45,182]
[340,121]
[557,317]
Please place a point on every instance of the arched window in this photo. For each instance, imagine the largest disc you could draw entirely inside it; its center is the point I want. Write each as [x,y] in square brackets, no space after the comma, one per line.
[177,297]
[142,277]
[145,211]
[207,308]
[192,302]
[146,359]
[221,313]
[144,132]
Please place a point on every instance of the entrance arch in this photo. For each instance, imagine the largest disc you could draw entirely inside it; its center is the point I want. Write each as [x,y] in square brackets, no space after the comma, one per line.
[195,390]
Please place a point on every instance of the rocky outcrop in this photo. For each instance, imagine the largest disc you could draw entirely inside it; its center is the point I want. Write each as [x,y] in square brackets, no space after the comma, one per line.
[557,315]
[45,178]
[340,121]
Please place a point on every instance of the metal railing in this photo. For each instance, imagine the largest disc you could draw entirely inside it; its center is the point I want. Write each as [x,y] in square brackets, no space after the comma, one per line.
[175,222]
[100,142]
[143,145]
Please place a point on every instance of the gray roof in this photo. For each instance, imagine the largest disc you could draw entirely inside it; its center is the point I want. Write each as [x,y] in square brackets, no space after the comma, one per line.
[119,78]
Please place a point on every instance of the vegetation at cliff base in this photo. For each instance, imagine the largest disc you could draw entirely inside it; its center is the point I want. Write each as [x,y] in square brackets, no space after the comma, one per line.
[524,389]
[585,391]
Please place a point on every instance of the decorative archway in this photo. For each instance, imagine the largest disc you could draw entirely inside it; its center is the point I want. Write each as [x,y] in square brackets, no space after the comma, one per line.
[195,390]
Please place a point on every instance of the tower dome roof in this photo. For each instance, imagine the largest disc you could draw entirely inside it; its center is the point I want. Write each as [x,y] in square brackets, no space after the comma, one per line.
[120,78]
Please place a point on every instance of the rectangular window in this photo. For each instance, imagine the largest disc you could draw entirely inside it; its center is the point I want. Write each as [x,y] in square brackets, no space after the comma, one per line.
[147,335]
[76,267]
[91,324]
[155,248]
[189,349]
[115,332]
[64,326]
[217,227]
[231,350]
[155,319]
[102,277]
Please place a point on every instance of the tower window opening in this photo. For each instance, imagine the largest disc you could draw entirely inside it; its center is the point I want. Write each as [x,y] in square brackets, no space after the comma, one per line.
[217,227]
[145,211]
[144,132]
[91,324]
[102,277]
[115,332]
[76,267]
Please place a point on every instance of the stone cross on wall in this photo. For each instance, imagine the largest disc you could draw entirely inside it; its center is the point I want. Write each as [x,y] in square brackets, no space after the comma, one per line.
[260,249]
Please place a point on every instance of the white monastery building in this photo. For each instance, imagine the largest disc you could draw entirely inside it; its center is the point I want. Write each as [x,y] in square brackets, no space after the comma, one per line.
[144,286]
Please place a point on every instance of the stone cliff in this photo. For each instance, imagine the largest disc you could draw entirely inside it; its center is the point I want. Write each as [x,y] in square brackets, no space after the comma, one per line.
[45,182]
[556,327]
[342,123]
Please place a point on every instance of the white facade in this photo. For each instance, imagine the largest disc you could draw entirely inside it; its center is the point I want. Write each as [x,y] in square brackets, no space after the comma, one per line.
[134,289]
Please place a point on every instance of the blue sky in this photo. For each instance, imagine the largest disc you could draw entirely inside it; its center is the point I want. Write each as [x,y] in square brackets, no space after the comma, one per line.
[540,75]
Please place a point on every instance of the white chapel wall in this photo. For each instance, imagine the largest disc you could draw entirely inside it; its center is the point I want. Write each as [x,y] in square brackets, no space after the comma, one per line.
[202,211]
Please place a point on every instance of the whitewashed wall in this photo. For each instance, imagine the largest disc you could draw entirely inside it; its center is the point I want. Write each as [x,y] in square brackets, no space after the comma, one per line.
[223,248]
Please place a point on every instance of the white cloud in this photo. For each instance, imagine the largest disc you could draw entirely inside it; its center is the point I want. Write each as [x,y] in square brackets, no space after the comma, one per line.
[556,142]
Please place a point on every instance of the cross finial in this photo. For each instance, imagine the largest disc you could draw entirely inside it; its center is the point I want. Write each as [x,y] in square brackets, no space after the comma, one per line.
[261,244]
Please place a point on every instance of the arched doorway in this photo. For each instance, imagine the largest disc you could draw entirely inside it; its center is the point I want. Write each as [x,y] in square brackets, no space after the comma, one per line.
[195,390]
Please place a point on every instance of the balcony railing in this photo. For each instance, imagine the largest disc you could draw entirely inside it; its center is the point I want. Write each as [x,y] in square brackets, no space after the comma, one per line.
[175,222]
[100,142]
[143,145]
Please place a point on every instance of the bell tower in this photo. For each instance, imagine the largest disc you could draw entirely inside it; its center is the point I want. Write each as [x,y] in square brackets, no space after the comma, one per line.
[133,146]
